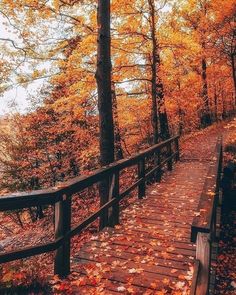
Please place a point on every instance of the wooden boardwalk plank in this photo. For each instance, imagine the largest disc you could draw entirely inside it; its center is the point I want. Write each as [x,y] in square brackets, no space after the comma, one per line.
[151,248]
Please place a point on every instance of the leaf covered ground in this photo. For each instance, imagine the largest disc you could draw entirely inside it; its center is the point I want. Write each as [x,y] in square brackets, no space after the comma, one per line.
[226,260]
[95,278]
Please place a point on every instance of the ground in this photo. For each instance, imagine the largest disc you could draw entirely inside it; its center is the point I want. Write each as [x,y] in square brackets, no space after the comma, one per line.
[140,221]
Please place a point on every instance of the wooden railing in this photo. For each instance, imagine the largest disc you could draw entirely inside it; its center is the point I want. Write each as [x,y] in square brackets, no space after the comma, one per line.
[61,198]
[203,230]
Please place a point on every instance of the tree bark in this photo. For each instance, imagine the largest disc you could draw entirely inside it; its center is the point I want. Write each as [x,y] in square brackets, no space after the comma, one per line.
[164,126]
[154,117]
[158,104]
[103,78]
[205,116]
[216,104]
[180,112]
[118,147]
[232,57]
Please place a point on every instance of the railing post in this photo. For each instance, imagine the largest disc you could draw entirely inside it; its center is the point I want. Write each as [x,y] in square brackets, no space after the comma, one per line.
[62,226]
[203,254]
[169,153]
[141,175]
[157,162]
[104,187]
[214,217]
[114,193]
[177,157]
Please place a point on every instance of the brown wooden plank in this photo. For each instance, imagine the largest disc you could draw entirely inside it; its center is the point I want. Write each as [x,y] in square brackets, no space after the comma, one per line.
[139,278]
[180,234]
[134,236]
[169,223]
[98,256]
[125,264]
[161,217]
[142,247]
[167,216]
[110,286]
[145,251]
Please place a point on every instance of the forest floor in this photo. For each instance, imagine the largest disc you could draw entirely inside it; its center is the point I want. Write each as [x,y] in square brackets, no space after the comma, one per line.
[226,259]
[198,145]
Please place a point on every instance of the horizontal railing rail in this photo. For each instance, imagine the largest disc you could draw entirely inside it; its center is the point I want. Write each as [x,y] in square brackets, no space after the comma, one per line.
[61,195]
[203,229]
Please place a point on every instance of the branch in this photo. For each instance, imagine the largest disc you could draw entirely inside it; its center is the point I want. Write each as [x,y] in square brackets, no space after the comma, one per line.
[117,68]
[8,19]
[127,51]
[133,80]
[74,19]
[14,44]
[132,93]
[18,48]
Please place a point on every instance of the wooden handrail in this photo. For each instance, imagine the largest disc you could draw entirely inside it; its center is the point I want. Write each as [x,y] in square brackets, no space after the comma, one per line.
[74,185]
[204,223]
[61,197]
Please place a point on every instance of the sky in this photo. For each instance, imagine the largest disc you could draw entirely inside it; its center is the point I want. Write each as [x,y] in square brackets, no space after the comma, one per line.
[16,95]
[16,99]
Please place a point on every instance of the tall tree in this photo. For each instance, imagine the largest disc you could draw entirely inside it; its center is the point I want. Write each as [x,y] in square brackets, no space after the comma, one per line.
[119,154]
[158,101]
[154,69]
[205,116]
[103,78]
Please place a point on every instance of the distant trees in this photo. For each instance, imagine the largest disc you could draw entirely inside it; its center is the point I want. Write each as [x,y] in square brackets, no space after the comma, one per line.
[225,37]
[137,60]
[197,64]
[45,147]
[195,15]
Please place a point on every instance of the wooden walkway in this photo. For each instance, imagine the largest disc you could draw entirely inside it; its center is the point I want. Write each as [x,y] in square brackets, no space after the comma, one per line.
[150,251]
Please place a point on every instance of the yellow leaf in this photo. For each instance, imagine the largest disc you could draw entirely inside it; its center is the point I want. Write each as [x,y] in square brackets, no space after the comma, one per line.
[7,277]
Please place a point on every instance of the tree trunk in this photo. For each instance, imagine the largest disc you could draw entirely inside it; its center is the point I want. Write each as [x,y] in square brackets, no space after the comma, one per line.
[154,118]
[180,112]
[232,57]
[158,104]
[164,126]
[216,104]
[224,108]
[118,147]
[103,78]
[205,116]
